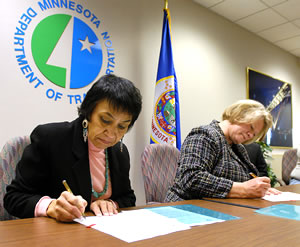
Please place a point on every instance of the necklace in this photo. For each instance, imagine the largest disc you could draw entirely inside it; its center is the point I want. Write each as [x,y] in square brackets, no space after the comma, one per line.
[95,193]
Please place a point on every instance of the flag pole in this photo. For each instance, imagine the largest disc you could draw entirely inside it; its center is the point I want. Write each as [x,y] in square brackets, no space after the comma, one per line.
[166,4]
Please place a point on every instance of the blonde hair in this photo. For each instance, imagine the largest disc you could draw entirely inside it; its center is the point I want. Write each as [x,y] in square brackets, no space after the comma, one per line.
[249,111]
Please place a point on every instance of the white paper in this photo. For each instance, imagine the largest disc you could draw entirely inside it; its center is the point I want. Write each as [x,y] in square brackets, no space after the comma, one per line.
[134,225]
[284,196]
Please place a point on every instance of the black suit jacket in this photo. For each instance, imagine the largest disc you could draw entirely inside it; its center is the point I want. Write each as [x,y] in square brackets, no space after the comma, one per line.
[57,152]
[257,158]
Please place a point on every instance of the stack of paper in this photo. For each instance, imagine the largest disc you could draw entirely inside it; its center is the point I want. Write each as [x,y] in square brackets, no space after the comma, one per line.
[141,224]
[283,196]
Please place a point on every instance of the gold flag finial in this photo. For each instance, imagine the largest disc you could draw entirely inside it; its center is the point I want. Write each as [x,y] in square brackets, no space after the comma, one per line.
[166,4]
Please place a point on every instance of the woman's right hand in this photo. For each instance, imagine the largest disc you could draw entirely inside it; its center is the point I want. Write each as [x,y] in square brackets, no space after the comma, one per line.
[253,188]
[257,187]
[67,207]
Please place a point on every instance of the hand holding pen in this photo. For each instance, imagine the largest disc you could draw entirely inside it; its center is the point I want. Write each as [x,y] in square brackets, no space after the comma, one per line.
[67,207]
[269,190]
[70,191]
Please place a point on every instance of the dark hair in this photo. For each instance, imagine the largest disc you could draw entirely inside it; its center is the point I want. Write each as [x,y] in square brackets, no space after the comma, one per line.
[121,94]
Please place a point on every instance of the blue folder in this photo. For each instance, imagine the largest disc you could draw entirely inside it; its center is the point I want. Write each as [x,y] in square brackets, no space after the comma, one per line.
[191,214]
[282,210]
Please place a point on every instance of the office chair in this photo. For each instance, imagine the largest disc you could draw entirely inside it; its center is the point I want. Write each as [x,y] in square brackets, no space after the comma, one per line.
[10,155]
[289,161]
[159,164]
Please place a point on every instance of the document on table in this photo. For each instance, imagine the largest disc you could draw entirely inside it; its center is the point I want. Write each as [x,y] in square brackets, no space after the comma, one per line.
[134,225]
[284,196]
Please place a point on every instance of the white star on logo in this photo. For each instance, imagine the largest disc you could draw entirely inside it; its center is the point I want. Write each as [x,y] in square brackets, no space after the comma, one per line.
[86,44]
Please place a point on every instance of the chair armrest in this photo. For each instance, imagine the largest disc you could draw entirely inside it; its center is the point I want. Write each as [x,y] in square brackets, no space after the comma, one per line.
[281,182]
[153,203]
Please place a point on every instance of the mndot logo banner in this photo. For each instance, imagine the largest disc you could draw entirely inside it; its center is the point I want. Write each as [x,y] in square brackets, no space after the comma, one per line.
[66,49]
[85,55]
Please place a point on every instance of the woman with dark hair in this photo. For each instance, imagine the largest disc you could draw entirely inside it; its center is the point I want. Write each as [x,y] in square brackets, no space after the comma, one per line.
[88,153]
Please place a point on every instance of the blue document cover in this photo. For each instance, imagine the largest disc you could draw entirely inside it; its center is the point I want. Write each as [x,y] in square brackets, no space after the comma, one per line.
[192,215]
[282,210]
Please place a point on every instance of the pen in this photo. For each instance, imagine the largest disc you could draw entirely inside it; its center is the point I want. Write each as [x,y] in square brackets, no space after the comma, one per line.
[69,190]
[253,175]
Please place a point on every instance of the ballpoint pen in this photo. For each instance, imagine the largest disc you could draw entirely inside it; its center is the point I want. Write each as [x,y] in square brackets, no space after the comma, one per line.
[69,190]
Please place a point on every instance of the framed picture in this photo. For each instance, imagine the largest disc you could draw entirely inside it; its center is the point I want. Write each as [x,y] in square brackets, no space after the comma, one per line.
[276,96]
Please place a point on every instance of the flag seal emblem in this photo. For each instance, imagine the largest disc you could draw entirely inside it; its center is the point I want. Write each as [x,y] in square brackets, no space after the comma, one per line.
[165,113]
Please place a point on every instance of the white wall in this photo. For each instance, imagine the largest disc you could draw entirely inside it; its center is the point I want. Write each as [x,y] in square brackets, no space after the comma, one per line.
[210,55]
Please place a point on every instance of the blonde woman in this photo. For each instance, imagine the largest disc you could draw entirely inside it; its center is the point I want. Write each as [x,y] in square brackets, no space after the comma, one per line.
[213,161]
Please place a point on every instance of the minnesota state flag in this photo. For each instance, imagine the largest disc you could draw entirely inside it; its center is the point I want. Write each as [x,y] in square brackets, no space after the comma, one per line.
[166,119]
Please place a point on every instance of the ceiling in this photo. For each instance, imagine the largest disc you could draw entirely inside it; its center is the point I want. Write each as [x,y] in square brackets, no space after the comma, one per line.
[277,21]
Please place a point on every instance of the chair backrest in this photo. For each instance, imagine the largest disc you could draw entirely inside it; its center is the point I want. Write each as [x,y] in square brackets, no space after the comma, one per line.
[10,155]
[289,161]
[159,164]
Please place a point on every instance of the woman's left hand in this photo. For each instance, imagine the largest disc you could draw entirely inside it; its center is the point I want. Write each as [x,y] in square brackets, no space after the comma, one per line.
[104,207]
[272,191]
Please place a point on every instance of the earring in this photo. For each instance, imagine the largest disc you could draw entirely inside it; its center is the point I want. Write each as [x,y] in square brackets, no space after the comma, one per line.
[121,145]
[85,124]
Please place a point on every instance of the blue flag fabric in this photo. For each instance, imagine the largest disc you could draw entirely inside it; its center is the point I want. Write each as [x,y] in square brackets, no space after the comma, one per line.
[166,117]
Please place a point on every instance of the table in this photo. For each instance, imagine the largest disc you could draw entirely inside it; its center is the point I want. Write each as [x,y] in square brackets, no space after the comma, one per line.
[251,230]
[259,203]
